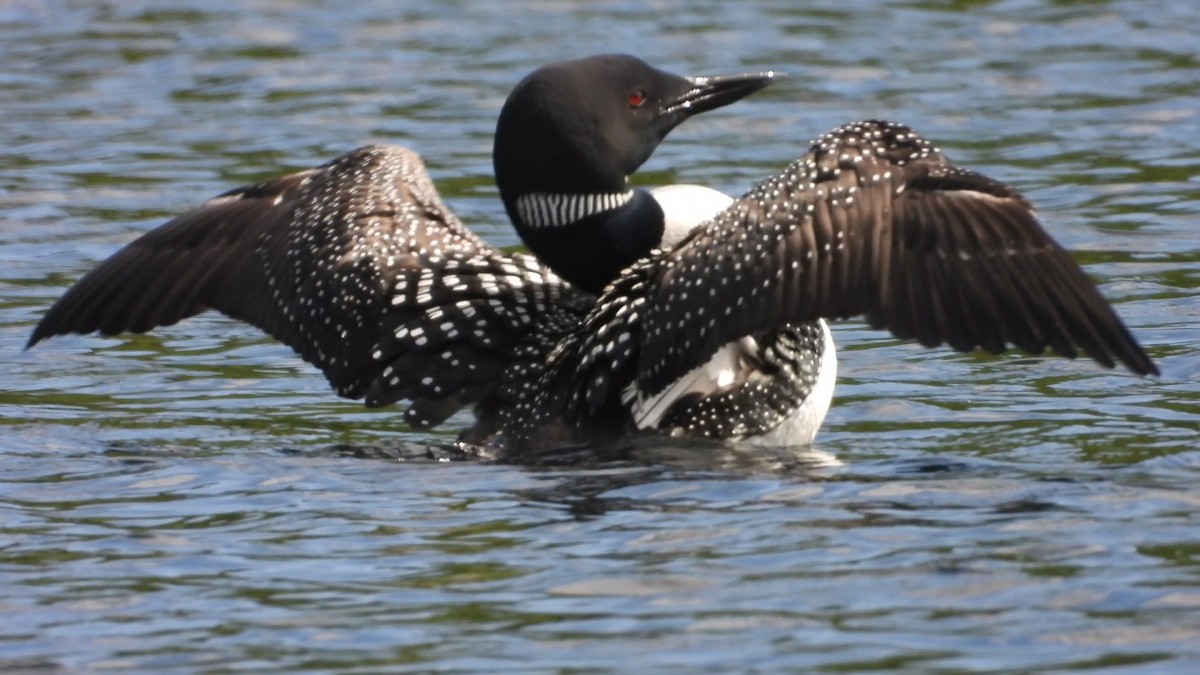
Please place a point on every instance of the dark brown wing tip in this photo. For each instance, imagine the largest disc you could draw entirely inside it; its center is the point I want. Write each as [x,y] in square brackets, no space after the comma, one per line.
[42,332]
[52,324]
[984,214]
[37,336]
[1139,362]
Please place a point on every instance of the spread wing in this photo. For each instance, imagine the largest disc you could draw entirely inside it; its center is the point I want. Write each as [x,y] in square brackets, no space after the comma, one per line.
[328,261]
[872,221]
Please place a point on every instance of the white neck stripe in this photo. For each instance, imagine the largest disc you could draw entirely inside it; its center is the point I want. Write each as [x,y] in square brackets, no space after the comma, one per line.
[538,209]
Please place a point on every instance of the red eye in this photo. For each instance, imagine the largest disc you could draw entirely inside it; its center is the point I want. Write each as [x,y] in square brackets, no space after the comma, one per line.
[637,98]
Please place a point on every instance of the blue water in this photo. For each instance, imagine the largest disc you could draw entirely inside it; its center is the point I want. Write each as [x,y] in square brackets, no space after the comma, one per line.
[197,499]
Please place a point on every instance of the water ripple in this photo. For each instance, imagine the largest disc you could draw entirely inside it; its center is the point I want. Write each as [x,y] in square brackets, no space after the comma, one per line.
[197,498]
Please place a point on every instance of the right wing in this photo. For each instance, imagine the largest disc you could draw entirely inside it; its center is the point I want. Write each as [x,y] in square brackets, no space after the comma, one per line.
[332,261]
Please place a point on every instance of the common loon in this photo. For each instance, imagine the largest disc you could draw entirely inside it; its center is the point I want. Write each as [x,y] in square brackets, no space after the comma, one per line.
[679,310]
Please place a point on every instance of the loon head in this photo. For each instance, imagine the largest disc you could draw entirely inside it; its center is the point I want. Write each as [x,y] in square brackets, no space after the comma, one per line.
[567,139]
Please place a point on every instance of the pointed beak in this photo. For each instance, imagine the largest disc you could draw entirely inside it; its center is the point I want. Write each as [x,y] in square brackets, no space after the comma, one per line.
[710,93]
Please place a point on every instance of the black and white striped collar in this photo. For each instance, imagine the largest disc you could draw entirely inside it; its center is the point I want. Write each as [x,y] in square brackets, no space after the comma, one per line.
[539,209]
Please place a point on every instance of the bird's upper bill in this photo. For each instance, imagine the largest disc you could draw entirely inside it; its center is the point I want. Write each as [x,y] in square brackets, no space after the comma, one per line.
[710,93]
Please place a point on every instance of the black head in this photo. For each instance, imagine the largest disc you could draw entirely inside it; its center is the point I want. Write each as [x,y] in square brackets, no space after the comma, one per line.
[582,127]
[587,124]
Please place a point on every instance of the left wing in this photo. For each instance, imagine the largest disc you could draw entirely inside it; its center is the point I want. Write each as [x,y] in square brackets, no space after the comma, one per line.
[872,221]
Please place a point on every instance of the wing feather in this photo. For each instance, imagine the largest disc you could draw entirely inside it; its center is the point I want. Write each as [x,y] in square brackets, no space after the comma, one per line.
[330,261]
[874,220]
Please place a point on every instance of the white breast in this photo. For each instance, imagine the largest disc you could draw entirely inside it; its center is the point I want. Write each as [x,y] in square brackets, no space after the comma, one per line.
[685,207]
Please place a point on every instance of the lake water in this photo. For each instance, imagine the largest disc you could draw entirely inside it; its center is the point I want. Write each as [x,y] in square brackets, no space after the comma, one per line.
[197,499]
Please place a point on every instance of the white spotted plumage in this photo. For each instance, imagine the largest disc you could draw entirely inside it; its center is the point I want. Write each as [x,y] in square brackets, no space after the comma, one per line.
[359,267]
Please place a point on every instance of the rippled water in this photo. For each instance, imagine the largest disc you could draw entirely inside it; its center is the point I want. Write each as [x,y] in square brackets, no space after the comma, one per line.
[197,498]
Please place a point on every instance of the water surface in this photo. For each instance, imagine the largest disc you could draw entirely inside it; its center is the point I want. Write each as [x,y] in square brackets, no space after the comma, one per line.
[198,499]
